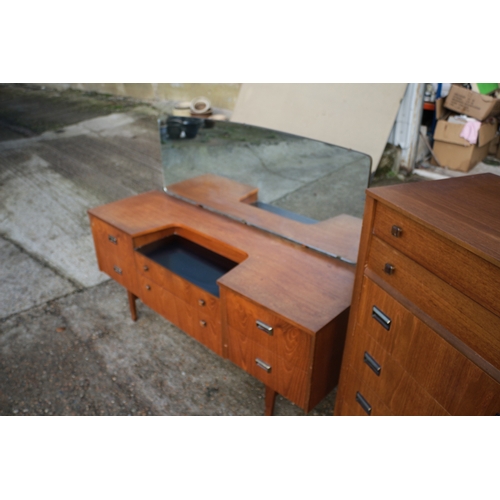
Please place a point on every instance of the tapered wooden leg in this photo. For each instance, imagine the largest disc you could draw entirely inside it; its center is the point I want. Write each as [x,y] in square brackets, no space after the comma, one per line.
[131,303]
[270,398]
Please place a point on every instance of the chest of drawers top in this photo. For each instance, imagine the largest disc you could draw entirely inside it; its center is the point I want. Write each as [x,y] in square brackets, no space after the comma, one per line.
[464,211]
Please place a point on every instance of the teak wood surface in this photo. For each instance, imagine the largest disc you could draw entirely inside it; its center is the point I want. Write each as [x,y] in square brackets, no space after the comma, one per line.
[305,295]
[305,287]
[441,294]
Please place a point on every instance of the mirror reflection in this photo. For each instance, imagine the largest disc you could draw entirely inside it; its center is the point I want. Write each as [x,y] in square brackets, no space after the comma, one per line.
[295,178]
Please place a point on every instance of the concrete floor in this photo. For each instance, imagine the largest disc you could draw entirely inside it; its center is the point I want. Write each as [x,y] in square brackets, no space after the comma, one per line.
[67,343]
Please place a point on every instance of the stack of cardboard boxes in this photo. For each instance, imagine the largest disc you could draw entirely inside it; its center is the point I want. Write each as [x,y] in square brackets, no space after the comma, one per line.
[451,150]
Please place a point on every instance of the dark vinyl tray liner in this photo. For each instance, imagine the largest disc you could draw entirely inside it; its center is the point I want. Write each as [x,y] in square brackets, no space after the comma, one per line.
[190,261]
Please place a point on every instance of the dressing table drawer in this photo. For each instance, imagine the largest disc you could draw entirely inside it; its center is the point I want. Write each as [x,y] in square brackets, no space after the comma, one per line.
[269,330]
[264,364]
[114,253]
[202,323]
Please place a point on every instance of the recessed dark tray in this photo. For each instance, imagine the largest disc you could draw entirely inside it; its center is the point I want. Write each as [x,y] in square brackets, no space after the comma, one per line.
[191,261]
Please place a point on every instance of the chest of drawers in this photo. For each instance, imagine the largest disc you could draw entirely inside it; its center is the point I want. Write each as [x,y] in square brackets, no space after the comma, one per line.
[424,331]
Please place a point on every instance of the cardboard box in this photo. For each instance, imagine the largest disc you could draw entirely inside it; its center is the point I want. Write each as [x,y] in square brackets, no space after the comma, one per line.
[456,157]
[456,153]
[471,103]
[450,132]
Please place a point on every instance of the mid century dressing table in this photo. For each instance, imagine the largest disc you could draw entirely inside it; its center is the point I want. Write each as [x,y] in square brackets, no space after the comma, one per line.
[254,282]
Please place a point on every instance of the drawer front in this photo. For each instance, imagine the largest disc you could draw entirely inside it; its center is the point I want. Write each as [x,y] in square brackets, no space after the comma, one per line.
[183,289]
[202,323]
[114,253]
[269,331]
[159,299]
[473,324]
[359,399]
[263,364]
[459,385]
[394,386]
[450,262]
[386,320]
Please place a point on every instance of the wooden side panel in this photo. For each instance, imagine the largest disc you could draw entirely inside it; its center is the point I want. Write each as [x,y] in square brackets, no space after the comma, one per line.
[328,350]
[364,248]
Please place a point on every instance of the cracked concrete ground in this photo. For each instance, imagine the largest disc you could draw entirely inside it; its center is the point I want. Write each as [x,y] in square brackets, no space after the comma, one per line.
[67,343]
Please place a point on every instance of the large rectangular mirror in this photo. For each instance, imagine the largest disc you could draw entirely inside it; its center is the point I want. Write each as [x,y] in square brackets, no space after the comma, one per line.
[306,191]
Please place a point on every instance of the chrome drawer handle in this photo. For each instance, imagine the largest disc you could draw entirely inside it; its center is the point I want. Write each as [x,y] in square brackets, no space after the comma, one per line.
[148,287]
[117,269]
[203,323]
[376,368]
[389,269]
[363,403]
[396,231]
[112,239]
[265,328]
[384,320]
[201,302]
[263,365]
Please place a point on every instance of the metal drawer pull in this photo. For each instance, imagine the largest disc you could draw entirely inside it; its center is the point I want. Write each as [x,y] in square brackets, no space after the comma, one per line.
[372,364]
[364,403]
[146,268]
[265,328]
[203,323]
[117,269]
[148,287]
[263,365]
[201,302]
[112,239]
[384,320]
[396,231]
[389,269]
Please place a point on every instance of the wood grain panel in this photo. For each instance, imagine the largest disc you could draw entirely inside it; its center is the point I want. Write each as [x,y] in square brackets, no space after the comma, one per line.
[462,269]
[396,340]
[286,341]
[469,321]
[402,394]
[114,253]
[455,382]
[328,350]
[348,406]
[463,209]
[284,377]
[202,324]
[159,299]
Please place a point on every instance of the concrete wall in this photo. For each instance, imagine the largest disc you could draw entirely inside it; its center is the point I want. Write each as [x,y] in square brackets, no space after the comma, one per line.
[222,95]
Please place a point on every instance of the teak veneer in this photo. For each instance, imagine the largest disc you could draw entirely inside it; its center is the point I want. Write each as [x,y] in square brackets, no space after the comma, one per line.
[281,309]
[424,328]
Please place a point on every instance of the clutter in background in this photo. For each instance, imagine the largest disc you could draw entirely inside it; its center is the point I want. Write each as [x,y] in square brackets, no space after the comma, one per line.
[186,118]
[464,124]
